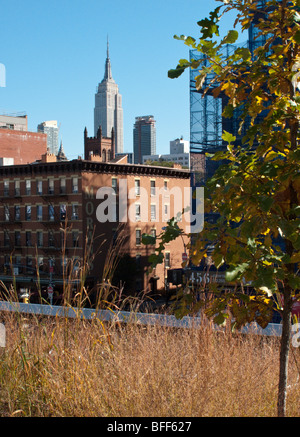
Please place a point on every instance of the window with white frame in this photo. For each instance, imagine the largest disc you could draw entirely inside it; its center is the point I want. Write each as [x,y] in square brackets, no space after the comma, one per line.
[152,188]
[28,212]
[6,188]
[74,211]
[50,186]
[75,184]
[17,188]
[28,187]
[6,213]
[138,237]
[137,212]
[39,212]
[137,187]
[153,213]
[39,187]
[63,187]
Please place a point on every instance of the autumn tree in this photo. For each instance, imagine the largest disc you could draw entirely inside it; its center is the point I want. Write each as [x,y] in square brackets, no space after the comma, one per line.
[255,191]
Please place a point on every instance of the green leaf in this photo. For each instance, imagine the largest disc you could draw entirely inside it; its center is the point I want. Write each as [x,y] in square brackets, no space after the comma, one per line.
[296,37]
[231,37]
[244,53]
[294,282]
[148,239]
[200,81]
[265,203]
[220,319]
[173,74]
[236,272]
[228,137]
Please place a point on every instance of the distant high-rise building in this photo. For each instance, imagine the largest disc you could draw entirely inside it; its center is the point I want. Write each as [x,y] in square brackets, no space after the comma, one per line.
[51,129]
[144,138]
[108,112]
[14,122]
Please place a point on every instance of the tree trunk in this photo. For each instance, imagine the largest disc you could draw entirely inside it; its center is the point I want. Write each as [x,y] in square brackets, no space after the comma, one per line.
[284,354]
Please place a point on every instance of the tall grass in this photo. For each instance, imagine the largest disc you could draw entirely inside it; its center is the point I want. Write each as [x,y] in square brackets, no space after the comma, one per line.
[63,367]
[73,367]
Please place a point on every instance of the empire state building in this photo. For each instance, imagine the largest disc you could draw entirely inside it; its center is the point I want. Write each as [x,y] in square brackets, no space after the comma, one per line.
[108,112]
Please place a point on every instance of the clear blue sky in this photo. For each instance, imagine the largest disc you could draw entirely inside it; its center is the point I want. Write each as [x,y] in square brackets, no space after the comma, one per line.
[54,54]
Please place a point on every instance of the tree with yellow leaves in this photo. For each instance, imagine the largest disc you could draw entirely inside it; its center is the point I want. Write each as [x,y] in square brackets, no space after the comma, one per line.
[256,190]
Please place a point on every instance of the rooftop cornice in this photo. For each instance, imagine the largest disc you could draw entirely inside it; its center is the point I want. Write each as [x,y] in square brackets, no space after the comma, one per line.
[79,165]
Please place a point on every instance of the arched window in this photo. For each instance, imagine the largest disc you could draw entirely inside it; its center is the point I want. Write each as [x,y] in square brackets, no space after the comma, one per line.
[104,155]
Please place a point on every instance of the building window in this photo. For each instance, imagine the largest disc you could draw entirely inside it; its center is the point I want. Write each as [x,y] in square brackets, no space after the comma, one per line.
[28,212]
[6,262]
[74,211]
[165,185]
[166,211]
[40,262]
[39,239]
[153,233]
[137,212]
[6,239]
[153,213]
[152,188]
[28,187]
[17,238]
[39,212]
[63,188]
[75,185]
[18,264]
[138,263]
[138,285]
[63,212]
[29,264]
[51,239]
[50,186]
[75,238]
[51,213]
[167,260]
[17,213]
[17,188]
[28,238]
[138,237]
[39,187]
[114,184]
[6,188]
[137,187]
[6,213]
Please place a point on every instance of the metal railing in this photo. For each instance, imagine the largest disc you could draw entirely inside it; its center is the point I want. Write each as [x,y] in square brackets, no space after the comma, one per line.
[273,329]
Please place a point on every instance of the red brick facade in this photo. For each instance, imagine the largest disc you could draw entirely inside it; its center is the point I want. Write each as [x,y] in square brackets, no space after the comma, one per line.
[48,212]
[99,148]
[24,147]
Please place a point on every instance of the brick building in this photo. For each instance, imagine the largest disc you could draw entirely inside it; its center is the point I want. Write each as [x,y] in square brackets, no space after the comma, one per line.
[22,146]
[54,220]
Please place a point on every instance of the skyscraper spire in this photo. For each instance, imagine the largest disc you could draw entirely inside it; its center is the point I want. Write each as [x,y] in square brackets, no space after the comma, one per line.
[108,112]
[107,73]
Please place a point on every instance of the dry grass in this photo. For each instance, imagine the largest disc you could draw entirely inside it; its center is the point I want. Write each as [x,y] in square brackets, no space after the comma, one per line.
[61,367]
